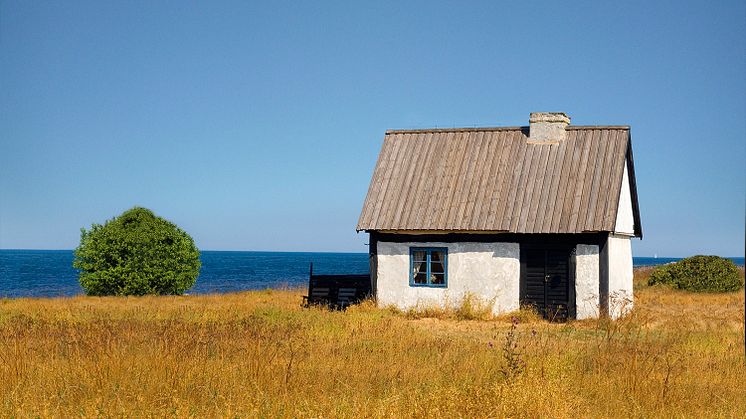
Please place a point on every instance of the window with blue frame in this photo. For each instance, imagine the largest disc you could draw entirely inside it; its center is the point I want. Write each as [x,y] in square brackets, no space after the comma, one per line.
[428,266]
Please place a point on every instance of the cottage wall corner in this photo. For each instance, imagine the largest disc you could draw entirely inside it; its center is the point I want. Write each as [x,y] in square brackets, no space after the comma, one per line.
[620,274]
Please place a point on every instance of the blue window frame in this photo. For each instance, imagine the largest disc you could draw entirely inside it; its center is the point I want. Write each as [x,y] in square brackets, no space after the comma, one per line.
[428,267]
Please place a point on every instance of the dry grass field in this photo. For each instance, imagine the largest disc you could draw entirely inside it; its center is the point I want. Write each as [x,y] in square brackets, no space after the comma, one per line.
[260,354]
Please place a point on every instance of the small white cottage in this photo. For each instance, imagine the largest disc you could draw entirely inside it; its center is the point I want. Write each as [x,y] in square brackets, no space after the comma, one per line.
[539,215]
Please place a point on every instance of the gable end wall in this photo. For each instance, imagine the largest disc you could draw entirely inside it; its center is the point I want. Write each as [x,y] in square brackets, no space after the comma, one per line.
[625,222]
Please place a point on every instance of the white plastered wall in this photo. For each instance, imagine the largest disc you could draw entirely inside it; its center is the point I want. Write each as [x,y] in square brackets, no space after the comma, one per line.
[625,222]
[487,271]
[620,298]
[586,281]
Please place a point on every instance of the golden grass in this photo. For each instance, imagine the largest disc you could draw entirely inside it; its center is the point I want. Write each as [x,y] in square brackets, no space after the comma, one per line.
[261,354]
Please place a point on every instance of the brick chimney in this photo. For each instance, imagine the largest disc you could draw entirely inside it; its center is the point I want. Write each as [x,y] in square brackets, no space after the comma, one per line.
[547,127]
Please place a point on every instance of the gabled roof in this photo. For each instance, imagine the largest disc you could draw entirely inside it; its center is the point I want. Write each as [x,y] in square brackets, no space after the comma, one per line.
[494,179]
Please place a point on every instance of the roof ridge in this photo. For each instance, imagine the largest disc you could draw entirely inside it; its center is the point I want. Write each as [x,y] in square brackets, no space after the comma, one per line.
[482,129]
[467,129]
[623,127]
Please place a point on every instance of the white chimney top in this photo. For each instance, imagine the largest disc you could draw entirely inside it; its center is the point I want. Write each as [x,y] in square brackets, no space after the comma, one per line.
[547,127]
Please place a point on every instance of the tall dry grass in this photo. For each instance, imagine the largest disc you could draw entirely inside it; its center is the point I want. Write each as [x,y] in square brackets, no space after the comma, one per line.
[261,354]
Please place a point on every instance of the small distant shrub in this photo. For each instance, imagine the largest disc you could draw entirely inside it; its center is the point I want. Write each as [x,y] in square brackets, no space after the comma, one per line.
[699,274]
[136,253]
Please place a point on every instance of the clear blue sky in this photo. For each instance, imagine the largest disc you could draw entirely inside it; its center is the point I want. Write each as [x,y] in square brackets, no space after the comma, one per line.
[256,126]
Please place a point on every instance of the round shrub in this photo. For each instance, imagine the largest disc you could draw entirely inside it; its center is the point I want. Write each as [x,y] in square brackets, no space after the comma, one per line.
[136,253]
[699,274]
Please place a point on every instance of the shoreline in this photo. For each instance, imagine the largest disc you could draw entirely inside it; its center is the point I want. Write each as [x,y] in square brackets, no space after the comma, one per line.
[641,274]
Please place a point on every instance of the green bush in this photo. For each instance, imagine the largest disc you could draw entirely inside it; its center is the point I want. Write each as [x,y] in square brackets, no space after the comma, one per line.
[136,253]
[699,274]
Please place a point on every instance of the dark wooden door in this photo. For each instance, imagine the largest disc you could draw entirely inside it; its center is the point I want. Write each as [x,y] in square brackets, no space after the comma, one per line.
[546,284]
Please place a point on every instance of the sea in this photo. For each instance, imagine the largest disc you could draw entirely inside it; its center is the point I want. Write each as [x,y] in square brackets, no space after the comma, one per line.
[49,273]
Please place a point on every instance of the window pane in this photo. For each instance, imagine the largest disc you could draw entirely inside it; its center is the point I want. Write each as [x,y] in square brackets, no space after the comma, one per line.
[436,261]
[418,268]
[437,267]
[419,255]
[437,279]
[420,277]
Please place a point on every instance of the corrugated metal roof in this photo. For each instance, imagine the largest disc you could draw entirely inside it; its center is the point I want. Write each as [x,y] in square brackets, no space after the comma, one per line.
[494,179]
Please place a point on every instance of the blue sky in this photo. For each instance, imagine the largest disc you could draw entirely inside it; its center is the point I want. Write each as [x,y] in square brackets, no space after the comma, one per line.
[256,126]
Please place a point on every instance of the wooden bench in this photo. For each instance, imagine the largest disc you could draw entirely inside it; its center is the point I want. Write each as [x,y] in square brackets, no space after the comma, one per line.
[336,291]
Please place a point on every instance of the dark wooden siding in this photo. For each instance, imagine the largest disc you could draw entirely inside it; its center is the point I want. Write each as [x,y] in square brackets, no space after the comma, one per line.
[546,281]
